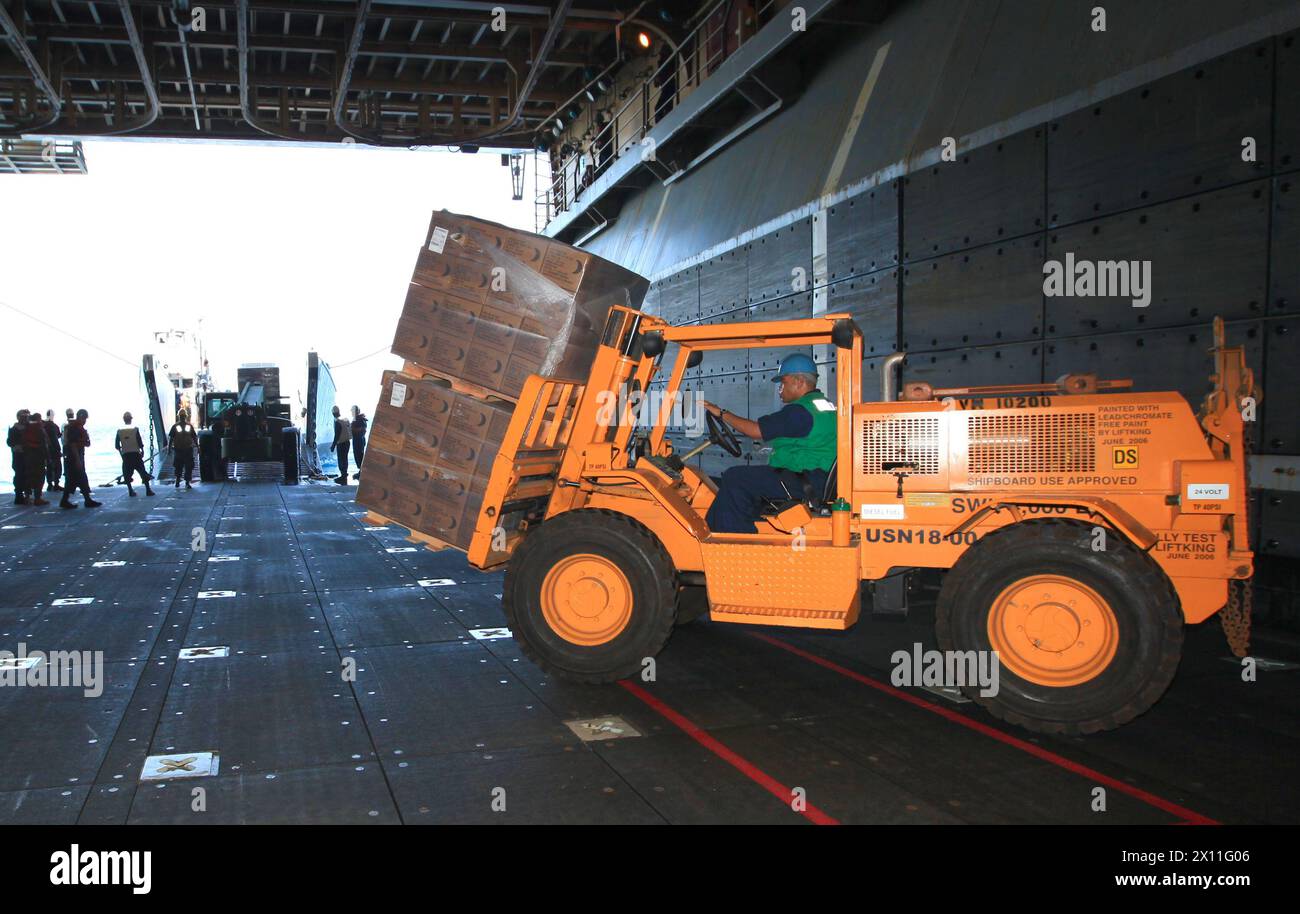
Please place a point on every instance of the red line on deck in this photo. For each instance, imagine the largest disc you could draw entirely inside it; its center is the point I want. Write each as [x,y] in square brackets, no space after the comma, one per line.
[737,761]
[1187,816]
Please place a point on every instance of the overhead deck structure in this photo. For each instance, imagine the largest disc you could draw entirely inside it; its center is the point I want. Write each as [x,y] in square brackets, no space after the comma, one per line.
[401,72]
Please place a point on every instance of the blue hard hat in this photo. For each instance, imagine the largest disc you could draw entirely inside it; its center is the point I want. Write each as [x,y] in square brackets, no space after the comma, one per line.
[795,363]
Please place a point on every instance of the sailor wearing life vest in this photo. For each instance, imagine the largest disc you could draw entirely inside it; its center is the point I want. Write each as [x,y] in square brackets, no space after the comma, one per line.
[181,440]
[802,435]
[131,446]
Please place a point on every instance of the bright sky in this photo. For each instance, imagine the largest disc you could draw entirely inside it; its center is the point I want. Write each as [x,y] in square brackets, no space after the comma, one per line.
[279,249]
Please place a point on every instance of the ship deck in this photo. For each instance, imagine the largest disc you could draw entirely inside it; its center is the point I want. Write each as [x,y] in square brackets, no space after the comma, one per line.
[444,723]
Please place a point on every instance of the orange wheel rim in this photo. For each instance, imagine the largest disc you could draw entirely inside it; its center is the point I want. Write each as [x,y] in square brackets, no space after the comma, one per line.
[1053,630]
[586,599]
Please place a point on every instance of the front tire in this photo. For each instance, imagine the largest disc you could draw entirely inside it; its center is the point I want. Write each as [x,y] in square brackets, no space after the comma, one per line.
[589,595]
[1087,640]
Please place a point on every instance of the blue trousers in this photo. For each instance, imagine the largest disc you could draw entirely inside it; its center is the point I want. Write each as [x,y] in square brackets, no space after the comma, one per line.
[742,490]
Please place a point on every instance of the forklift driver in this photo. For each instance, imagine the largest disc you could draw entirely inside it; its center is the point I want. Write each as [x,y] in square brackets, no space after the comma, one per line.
[802,435]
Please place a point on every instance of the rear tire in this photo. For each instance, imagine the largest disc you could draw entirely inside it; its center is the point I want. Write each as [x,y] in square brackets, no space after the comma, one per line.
[1087,640]
[208,449]
[590,595]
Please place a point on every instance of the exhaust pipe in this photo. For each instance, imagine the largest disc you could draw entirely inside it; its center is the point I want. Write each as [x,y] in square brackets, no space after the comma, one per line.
[887,392]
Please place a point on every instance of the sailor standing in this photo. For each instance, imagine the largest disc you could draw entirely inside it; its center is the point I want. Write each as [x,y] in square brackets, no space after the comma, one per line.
[35,448]
[54,454]
[15,442]
[181,440]
[75,441]
[131,446]
[359,423]
[342,441]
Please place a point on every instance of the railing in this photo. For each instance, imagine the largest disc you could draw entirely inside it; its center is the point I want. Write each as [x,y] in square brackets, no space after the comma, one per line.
[727,26]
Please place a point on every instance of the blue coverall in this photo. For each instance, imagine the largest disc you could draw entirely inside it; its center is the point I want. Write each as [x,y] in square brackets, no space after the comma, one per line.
[742,488]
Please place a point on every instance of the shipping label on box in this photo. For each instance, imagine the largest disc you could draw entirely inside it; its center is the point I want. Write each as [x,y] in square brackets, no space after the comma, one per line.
[437,239]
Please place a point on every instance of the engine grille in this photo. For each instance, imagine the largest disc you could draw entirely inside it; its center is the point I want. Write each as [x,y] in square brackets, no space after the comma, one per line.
[893,440]
[1029,443]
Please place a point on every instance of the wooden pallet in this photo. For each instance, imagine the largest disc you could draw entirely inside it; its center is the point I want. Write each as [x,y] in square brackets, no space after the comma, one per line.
[432,543]
[460,385]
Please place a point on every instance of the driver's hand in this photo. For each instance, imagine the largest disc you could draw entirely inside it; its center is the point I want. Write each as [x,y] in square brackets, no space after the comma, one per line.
[713,408]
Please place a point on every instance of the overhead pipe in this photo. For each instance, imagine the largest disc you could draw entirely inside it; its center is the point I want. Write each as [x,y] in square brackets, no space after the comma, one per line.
[181,28]
[245,109]
[146,77]
[377,138]
[14,37]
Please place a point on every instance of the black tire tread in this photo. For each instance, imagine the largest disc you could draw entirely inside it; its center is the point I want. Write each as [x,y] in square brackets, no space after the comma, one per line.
[588,517]
[1136,566]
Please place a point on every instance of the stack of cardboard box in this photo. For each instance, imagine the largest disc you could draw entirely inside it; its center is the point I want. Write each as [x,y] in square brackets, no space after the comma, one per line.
[430,456]
[490,305]
[487,306]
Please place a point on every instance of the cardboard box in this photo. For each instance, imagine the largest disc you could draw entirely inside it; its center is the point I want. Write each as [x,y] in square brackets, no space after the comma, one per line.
[431,455]
[490,305]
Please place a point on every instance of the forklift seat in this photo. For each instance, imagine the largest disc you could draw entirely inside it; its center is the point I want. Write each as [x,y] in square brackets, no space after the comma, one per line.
[816,505]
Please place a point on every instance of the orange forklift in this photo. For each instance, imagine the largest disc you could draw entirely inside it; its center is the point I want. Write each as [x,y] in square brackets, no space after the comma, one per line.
[1081,524]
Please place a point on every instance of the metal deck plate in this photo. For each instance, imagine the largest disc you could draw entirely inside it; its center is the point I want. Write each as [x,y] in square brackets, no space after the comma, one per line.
[261,623]
[688,785]
[30,588]
[264,714]
[129,586]
[266,573]
[67,733]
[433,699]
[473,605]
[43,806]
[357,572]
[120,635]
[390,615]
[354,794]
[554,786]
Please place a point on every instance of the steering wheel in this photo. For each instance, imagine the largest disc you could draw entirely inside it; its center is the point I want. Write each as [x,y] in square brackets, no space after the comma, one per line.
[720,433]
